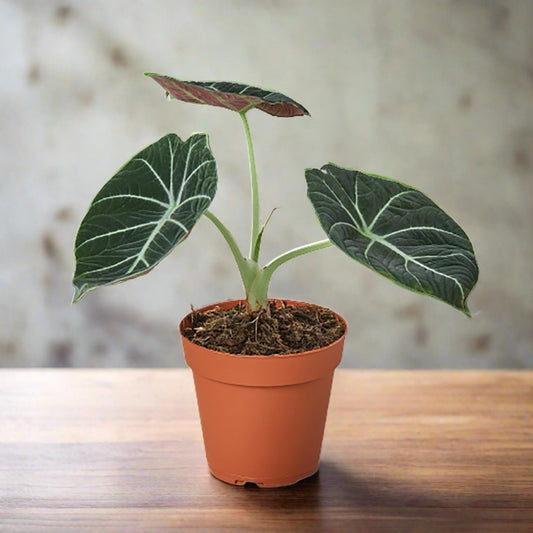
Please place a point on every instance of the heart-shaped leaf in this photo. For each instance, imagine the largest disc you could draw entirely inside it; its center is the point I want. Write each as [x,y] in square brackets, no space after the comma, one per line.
[234,96]
[144,211]
[395,230]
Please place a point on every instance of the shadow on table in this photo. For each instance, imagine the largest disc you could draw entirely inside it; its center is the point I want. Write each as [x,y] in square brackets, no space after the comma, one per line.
[334,499]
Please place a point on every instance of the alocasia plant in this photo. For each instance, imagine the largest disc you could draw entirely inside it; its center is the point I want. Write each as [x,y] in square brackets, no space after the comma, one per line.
[153,202]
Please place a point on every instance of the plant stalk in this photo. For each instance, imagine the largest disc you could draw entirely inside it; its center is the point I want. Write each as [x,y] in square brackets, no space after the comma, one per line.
[254,187]
[256,280]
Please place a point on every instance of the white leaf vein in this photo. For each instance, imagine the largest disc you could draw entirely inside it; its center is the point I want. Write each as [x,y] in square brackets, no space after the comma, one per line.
[386,206]
[157,176]
[133,196]
[115,232]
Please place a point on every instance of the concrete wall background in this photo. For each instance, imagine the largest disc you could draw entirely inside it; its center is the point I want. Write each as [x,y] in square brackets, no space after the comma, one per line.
[436,93]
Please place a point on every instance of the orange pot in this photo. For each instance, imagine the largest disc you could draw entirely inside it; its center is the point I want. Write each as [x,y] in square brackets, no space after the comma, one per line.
[262,417]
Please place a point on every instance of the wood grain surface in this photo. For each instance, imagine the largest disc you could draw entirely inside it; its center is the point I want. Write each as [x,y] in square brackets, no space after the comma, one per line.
[121,450]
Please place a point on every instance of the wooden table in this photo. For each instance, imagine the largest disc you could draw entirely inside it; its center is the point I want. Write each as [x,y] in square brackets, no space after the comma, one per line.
[121,450]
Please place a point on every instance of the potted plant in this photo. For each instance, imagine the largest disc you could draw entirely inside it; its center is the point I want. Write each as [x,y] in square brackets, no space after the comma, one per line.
[263,367]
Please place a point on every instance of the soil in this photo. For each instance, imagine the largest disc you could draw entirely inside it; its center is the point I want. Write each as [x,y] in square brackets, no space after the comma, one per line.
[280,329]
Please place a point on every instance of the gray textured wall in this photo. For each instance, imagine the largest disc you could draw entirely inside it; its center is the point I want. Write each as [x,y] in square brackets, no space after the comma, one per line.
[435,93]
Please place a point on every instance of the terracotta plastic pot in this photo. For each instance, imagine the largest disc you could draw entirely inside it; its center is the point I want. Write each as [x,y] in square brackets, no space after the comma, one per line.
[262,417]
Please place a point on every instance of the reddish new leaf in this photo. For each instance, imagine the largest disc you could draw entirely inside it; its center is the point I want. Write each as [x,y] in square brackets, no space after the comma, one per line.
[234,96]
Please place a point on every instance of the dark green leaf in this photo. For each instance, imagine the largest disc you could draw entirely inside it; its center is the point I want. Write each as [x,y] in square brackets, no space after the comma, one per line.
[144,211]
[395,230]
[234,96]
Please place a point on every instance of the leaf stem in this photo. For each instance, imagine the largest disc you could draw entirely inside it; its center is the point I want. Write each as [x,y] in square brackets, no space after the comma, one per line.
[257,294]
[254,250]
[295,252]
[247,273]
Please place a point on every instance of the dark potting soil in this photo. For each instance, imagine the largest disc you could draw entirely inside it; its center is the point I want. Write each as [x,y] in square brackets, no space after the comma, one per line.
[281,329]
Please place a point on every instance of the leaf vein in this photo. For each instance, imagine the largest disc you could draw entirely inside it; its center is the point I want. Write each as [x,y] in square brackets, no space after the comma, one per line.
[116,232]
[158,177]
[386,206]
[347,211]
[134,196]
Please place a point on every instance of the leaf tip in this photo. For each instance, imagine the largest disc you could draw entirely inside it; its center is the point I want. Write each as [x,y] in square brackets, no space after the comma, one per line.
[466,310]
[79,291]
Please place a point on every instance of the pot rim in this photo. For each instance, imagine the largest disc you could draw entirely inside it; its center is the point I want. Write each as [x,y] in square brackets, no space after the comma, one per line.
[231,303]
[262,370]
